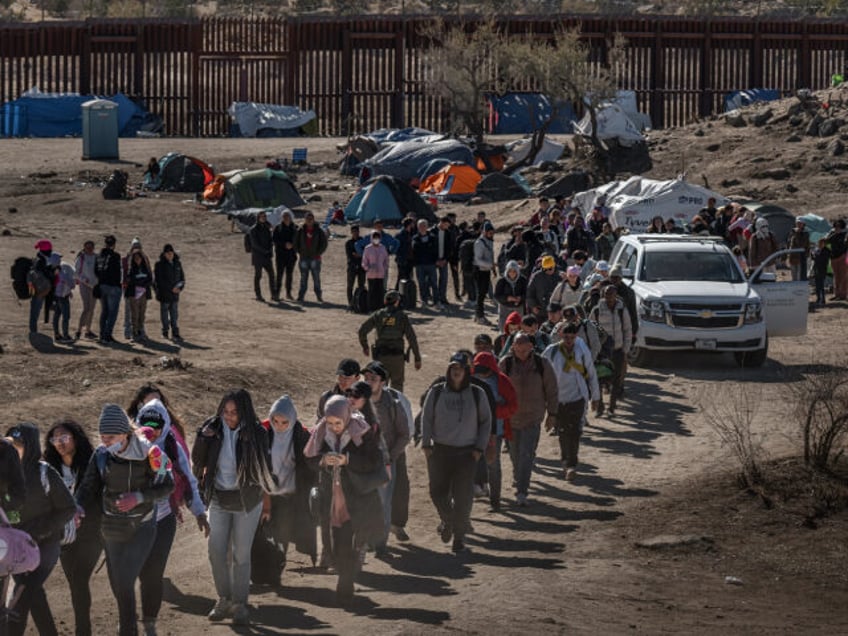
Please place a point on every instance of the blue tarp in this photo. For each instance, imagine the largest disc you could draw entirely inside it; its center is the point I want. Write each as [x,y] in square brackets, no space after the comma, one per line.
[386,135]
[404,159]
[60,115]
[522,113]
[738,99]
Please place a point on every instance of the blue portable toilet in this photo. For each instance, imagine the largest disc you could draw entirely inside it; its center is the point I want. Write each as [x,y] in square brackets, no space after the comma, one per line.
[100,129]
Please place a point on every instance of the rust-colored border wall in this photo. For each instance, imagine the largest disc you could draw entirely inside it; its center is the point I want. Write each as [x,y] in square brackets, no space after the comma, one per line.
[360,74]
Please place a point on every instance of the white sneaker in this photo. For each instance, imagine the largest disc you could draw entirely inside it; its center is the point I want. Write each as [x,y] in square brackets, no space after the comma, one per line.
[223,609]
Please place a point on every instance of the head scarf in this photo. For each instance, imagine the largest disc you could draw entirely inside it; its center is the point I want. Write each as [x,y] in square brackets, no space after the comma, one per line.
[282,448]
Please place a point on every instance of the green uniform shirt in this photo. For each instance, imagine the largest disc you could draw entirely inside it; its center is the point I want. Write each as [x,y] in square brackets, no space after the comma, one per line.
[392,326]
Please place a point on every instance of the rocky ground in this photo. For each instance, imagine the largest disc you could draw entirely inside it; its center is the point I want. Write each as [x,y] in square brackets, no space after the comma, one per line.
[583,559]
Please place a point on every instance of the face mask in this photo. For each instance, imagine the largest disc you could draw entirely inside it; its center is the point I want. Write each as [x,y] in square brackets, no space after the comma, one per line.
[114,448]
[375,241]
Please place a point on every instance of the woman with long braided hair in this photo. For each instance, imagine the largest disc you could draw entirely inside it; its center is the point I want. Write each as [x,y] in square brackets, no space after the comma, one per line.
[232,464]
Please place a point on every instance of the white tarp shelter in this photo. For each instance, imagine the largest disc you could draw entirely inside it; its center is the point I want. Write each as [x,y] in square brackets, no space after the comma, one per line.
[613,123]
[252,117]
[633,203]
[550,151]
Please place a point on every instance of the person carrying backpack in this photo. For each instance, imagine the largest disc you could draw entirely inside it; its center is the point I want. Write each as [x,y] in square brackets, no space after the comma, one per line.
[126,478]
[456,423]
[45,511]
[536,391]
[612,316]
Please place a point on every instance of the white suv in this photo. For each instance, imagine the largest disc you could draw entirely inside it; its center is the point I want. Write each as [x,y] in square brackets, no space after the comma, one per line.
[691,294]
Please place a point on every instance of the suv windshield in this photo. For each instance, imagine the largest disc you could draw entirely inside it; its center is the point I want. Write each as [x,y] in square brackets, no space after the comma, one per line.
[689,266]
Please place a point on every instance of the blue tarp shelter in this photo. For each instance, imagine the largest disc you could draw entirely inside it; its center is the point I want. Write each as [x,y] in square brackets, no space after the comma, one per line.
[739,99]
[37,114]
[404,159]
[522,113]
[388,199]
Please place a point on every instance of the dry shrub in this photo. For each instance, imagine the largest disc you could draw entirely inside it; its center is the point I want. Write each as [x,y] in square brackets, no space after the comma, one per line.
[730,410]
[821,405]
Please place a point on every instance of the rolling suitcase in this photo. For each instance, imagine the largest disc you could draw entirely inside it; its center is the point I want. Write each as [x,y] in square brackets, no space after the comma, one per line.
[360,300]
[408,293]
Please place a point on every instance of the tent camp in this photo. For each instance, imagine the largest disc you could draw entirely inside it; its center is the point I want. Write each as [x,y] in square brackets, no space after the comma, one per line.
[180,173]
[388,199]
[263,188]
[497,186]
[246,219]
[404,159]
[633,203]
[550,151]
[454,182]
[613,123]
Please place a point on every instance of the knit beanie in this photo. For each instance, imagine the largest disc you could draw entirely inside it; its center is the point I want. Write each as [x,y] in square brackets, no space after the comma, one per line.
[113,420]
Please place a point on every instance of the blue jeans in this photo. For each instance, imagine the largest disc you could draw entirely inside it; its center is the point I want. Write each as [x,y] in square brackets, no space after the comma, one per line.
[307,265]
[169,313]
[33,599]
[35,305]
[427,282]
[230,539]
[522,452]
[124,561]
[62,311]
[110,302]
[443,274]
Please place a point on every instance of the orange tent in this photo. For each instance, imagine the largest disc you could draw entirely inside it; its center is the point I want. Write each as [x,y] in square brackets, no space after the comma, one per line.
[456,181]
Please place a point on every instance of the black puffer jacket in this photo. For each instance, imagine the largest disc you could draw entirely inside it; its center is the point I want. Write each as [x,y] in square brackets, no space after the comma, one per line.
[43,514]
[168,275]
[12,484]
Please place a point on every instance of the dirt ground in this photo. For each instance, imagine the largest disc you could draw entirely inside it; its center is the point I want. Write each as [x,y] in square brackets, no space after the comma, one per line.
[567,564]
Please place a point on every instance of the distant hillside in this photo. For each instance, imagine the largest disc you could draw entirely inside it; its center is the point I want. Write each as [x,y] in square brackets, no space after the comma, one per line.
[31,11]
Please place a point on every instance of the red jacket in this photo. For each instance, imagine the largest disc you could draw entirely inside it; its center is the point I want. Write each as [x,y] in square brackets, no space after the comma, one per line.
[509,400]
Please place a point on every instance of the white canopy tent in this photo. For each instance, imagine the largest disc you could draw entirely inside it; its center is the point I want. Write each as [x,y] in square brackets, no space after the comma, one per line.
[633,203]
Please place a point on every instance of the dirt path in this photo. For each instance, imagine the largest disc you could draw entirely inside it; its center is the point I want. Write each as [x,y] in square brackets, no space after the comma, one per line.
[567,564]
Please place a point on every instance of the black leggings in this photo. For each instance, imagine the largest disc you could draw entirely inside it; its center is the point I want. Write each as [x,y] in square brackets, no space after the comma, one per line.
[153,572]
[78,561]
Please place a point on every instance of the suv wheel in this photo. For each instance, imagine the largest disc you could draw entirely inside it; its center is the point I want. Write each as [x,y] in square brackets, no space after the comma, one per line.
[638,356]
[752,359]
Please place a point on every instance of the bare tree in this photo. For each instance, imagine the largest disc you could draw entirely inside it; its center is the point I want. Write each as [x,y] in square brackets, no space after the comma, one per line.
[730,412]
[563,69]
[462,69]
[821,403]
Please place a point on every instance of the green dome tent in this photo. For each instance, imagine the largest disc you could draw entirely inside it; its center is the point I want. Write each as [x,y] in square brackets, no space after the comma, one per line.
[263,188]
[388,199]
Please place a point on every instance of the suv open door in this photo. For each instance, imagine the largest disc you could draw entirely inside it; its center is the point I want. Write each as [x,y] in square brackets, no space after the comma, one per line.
[785,303]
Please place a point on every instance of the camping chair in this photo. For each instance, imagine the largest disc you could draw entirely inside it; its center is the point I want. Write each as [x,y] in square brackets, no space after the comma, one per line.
[299,156]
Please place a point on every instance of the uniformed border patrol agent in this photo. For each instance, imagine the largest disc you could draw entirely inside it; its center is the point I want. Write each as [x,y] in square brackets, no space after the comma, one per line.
[392,325]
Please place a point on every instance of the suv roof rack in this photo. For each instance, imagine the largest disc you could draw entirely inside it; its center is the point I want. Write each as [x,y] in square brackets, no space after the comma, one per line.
[676,238]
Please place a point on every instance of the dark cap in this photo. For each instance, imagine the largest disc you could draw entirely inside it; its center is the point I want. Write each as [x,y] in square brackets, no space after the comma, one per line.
[458,358]
[359,389]
[391,297]
[152,418]
[554,307]
[354,226]
[488,227]
[168,248]
[348,366]
[483,338]
[110,239]
[376,367]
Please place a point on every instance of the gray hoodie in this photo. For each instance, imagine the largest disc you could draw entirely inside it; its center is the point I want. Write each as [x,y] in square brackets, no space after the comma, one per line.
[456,418]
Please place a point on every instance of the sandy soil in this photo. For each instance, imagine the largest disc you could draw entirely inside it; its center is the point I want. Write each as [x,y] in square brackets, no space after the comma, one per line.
[567,564]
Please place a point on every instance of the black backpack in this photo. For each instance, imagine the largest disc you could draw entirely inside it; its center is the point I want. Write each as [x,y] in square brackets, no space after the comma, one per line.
[360,300]
[466,255]
[20,272]
[116,186]
[248,246]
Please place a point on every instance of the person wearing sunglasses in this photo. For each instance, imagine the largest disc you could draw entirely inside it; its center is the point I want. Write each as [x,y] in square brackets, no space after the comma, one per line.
[68,450]
[45,511]
[154,422]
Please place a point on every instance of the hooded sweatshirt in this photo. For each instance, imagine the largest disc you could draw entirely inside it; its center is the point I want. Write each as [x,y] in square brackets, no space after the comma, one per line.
[503,343]
[505,397]
[181,465]
[506,287]
[43,514]
[455,416]
[282,447]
